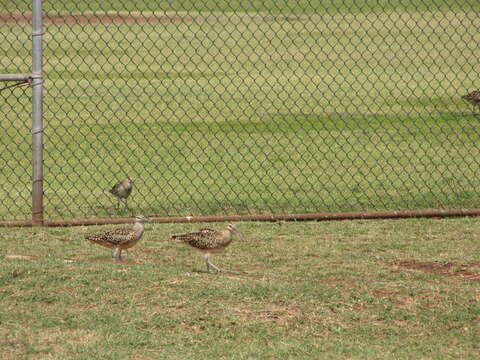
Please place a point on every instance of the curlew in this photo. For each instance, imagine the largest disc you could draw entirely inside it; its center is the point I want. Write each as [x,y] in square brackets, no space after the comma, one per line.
[209,241]
[473,97]
[120,238]
[122,190]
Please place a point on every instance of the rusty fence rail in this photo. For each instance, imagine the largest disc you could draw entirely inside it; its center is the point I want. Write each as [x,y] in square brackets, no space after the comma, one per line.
[326,216]
[238,110]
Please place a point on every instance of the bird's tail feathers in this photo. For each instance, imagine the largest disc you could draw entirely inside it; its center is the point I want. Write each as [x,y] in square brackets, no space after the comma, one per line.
[90,237]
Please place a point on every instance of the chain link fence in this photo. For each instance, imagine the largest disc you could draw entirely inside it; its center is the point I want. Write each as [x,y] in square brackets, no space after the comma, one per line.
[244,107]
[15,150]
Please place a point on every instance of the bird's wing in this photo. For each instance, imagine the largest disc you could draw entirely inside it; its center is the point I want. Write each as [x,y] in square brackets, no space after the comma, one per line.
[201,239]
[114,237]
[122,235]
[116,188]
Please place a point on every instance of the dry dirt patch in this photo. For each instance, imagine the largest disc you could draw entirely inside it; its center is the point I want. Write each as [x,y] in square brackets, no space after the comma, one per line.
[449,269]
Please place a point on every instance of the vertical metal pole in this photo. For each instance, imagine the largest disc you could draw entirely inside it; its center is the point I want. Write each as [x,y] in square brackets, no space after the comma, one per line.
[37,114]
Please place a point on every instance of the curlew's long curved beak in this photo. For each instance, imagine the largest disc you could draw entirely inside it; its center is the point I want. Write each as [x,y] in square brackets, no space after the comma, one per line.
[241,234]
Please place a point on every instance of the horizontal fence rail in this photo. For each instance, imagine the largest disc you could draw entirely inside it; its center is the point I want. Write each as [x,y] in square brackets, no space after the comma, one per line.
[240,110]
[16,77]
[359,215]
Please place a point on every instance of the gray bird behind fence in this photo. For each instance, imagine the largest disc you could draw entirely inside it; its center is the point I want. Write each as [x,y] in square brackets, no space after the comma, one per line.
[122,190]
[473,97]
[121,238]
[208,241]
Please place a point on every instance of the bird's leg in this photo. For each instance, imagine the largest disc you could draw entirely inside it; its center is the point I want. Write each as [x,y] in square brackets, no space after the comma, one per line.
[209,263]
[117,254]
[205,256]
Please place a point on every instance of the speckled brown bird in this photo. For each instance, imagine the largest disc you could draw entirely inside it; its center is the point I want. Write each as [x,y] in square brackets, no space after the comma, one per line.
[209,241]
[120,238]
[122,190]
[473,97]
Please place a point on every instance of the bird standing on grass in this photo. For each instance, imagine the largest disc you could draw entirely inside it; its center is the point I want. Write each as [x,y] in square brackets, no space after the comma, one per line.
[122,190]
[209,241]
[473,97]
[120,238]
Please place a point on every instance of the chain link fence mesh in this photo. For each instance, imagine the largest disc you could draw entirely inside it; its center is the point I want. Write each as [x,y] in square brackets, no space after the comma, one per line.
[15,116]
[245,107]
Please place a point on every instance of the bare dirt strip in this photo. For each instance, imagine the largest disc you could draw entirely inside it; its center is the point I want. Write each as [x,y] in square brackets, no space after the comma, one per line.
[134,18]
[100,18]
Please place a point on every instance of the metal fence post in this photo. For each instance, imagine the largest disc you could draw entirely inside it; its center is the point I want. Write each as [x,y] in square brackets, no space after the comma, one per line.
[37,115]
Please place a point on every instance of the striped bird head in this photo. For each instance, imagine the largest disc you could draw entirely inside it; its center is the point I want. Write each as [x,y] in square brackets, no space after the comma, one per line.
[141,219]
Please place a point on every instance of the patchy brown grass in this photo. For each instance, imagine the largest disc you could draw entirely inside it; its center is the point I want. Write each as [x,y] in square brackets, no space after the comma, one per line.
[344,289]
[280,314]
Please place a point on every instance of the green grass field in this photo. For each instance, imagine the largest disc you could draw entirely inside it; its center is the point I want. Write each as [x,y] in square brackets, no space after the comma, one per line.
[403,289]
[353,109]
